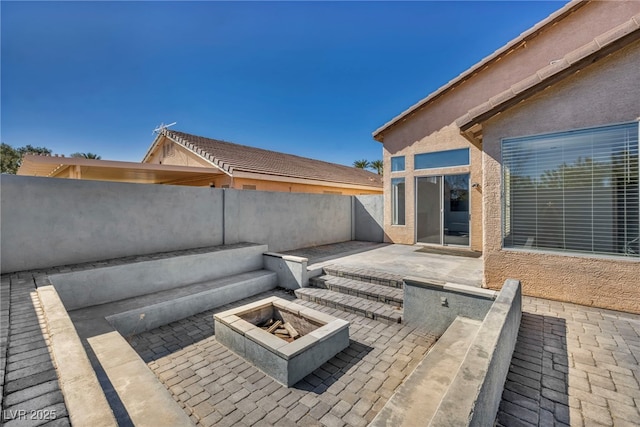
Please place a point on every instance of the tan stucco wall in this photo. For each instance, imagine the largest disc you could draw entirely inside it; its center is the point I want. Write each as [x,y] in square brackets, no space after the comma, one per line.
[289,187]
[447,138]
[180,156]
[431,128]
[605,93]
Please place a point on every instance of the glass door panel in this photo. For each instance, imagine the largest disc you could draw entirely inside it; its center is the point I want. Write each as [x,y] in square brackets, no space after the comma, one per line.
[428,209]
[456,210]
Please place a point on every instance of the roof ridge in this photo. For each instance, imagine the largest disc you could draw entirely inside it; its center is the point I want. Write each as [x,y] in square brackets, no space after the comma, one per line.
[267,150]
[198,150]
[231,157]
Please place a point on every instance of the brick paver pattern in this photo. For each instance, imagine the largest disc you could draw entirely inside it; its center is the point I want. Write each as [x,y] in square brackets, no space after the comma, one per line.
[217,387]
[29,389]
[29,386]
[573,365]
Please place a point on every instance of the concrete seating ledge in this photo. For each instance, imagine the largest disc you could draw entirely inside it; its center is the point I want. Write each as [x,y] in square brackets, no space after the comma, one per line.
[469,395]
[151,311]
[146,400]
[88,310]
[79,289]
[83,395]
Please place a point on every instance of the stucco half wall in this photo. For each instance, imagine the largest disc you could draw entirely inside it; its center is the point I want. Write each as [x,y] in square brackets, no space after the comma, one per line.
[605,93]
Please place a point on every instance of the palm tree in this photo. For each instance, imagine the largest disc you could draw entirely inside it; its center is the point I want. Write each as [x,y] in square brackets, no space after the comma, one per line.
[86,156]
[361,164]
[377,166]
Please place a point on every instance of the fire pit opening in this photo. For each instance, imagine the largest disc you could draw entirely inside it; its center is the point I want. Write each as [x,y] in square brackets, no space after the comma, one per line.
[284,324]
[283,339]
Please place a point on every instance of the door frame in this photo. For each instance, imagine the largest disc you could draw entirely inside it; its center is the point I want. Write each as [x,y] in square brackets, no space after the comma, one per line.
[415,222]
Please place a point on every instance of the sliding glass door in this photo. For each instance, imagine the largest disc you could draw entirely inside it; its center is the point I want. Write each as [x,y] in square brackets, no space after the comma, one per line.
[428,207]
[442,210]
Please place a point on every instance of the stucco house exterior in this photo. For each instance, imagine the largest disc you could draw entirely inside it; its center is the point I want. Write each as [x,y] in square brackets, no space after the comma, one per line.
[178,158]
[531,156]
[251,168]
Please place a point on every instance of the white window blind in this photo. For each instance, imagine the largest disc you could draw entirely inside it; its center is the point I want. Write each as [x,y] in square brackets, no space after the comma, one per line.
[574,191]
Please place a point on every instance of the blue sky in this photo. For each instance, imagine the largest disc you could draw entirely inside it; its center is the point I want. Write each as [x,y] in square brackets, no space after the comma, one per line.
[307,78]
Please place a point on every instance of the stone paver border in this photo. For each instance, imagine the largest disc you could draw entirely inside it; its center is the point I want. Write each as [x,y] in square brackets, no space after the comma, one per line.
[29,382]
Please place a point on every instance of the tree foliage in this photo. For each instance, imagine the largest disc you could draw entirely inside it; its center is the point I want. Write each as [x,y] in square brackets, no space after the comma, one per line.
[361,164]
[11,158]
[376,165]
[86,156]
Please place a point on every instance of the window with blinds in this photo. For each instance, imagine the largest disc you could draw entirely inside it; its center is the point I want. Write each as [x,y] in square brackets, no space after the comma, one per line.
[574,191]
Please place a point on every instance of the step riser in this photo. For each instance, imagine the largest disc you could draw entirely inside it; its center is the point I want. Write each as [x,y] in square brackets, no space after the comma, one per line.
[323,284]
[337,272]
[350,309]
[150,317]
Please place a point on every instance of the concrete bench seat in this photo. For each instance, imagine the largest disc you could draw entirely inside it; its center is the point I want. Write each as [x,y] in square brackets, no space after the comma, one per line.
[415,402]
[145,312]
[460,381]
[100,305]
[155,273]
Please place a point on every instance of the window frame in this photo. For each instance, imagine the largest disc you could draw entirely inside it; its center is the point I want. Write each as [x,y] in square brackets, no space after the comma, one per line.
[457,165]
[395,207]
[404,164]
[506,196]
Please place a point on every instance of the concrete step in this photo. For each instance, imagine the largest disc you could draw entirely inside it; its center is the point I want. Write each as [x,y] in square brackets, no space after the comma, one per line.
[352,304]
[417,399]
[381,293]
[142,313]
[368,275]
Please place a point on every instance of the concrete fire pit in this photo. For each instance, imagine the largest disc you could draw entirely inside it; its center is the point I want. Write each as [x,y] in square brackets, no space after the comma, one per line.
[321,338]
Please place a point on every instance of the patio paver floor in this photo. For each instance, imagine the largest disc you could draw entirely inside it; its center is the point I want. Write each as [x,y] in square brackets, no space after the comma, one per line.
[573,365]
[217,387]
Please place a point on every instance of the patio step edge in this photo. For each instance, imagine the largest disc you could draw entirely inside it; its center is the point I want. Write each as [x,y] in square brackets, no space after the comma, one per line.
[381,293]
[352,304]
[368,275]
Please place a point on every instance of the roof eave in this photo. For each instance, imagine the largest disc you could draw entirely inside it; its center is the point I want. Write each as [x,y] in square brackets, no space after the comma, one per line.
[470,124]
[560,14]
[308,181]
[152,147]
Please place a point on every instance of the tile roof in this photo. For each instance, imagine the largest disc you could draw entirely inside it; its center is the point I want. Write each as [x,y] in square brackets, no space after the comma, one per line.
[601,46]
[235,157]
